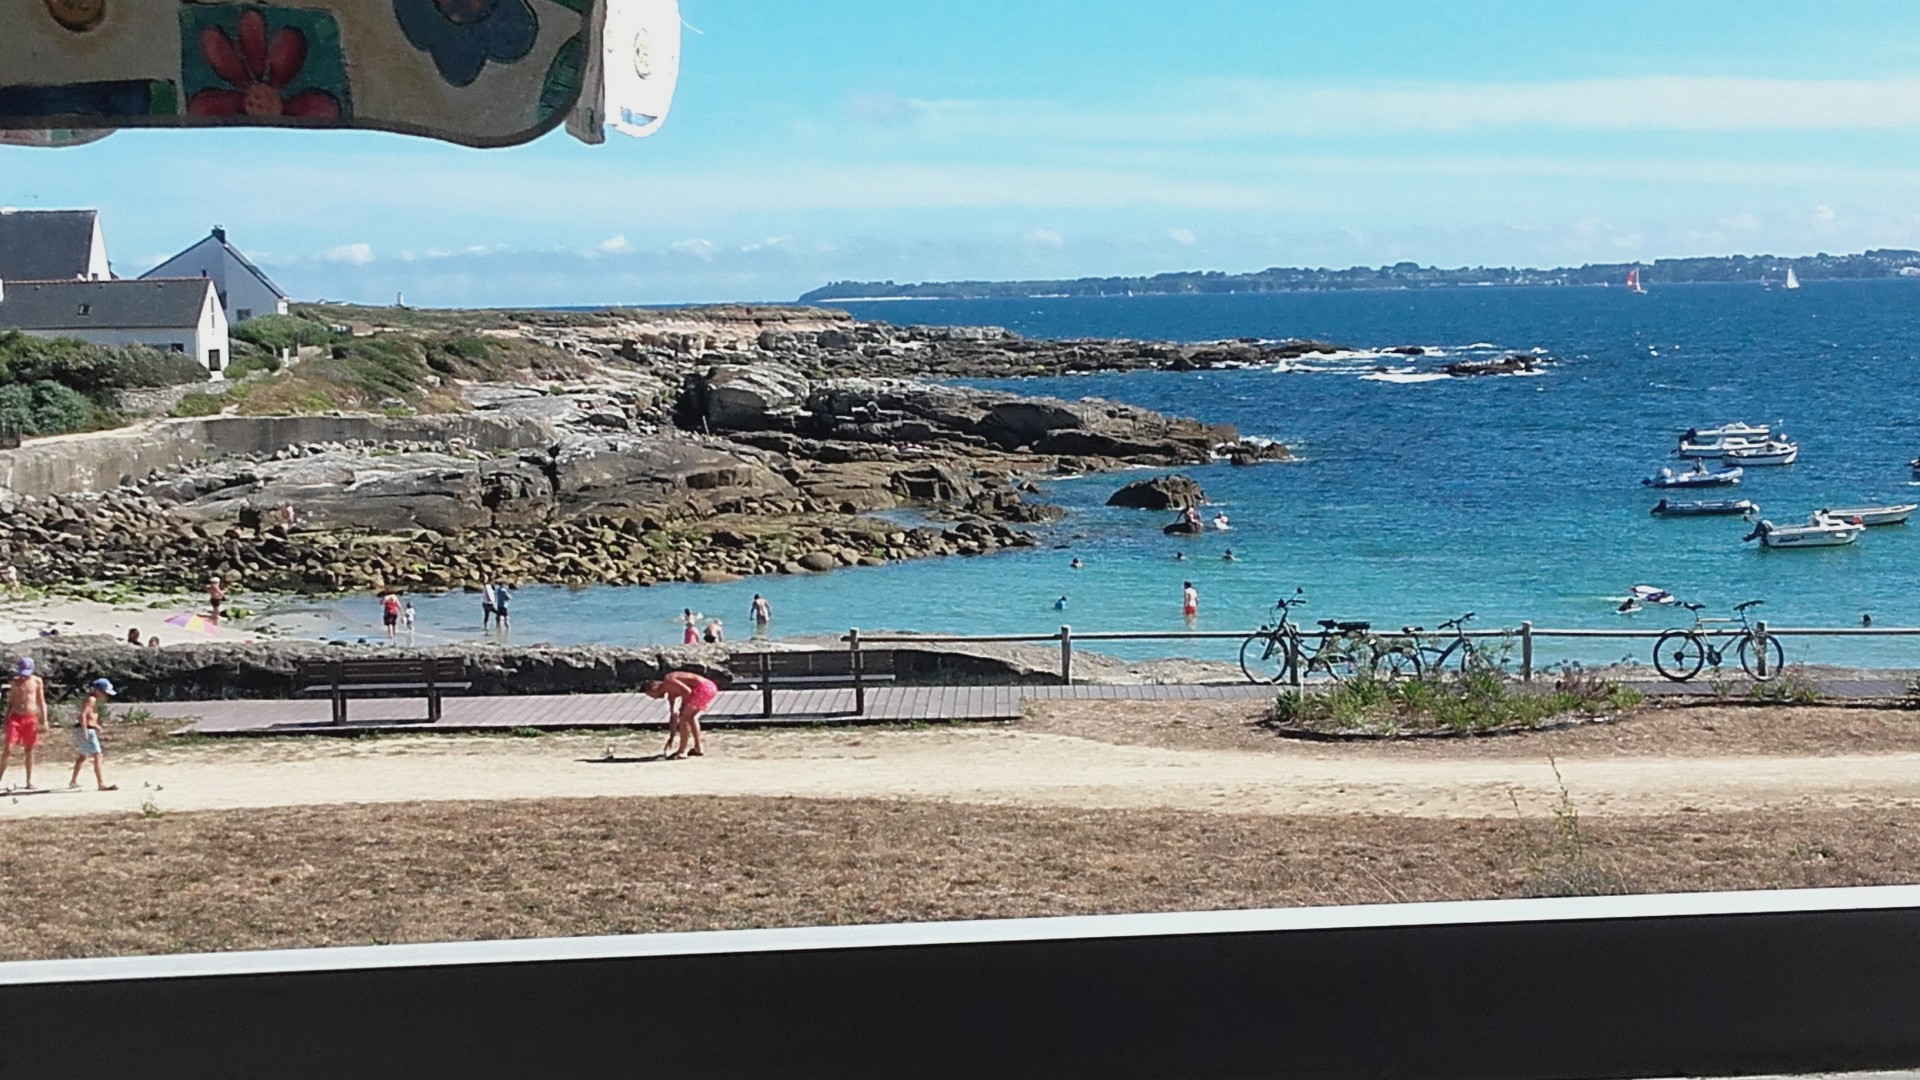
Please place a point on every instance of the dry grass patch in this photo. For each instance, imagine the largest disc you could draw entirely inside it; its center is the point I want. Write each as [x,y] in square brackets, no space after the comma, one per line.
[358,875]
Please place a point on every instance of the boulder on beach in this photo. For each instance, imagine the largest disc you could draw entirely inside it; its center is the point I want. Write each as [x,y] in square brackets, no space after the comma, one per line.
[1174,492]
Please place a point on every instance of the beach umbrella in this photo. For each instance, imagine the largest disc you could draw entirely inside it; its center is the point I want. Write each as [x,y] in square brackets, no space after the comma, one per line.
[194,624]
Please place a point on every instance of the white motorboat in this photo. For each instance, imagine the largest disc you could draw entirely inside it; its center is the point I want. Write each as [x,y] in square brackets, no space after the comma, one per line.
[1772,453]
[1750,432]
[1698,476]
[1717,448]
[1874,515]
[1817,532]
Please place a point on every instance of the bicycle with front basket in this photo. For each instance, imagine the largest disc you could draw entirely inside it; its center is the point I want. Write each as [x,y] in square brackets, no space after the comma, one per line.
[1680,653]
[1340,650]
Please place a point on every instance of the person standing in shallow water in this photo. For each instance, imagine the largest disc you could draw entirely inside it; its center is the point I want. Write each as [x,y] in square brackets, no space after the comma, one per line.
[690,627]
[762,615]
[1189,602]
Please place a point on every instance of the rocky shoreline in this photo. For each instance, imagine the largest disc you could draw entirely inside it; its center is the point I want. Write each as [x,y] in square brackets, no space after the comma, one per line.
[765,443]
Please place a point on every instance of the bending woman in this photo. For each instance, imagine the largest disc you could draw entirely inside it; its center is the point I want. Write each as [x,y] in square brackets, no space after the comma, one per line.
[688,696]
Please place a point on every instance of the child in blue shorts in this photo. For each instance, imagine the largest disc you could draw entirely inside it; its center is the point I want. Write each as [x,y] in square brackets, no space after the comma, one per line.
[86,735]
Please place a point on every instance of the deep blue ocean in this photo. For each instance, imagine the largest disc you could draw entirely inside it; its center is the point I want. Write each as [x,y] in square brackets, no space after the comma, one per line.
[1415,499]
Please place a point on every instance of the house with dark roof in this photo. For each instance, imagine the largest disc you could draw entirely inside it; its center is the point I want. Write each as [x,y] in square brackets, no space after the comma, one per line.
[178,314]
[244,290]
[52,245]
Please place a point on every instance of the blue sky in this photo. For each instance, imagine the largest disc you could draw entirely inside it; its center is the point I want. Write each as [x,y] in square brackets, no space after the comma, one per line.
[938,139]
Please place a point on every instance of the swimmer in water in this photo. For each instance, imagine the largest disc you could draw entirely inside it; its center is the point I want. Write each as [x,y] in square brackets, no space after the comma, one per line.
[1221,523]
[1228,556]
[1179,556]
[1629,607]
[1060,604]
[1075,564]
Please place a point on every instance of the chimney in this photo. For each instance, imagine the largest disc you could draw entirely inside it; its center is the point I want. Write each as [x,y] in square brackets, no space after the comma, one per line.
[220,233]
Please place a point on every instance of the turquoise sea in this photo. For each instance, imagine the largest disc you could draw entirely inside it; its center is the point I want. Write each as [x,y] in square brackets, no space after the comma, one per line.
[1415,499]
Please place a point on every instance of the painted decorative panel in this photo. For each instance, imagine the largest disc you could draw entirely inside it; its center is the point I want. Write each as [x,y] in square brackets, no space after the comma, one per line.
[478,72]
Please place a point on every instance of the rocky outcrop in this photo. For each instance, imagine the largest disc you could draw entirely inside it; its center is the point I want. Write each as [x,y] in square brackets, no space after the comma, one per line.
[1515,364]
[1174,492]
[911,414]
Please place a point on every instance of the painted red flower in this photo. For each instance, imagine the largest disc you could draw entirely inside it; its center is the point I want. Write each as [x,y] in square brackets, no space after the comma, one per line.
[258,70]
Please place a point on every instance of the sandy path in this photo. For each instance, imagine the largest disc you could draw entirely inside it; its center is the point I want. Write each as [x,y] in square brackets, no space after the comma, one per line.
[978,766]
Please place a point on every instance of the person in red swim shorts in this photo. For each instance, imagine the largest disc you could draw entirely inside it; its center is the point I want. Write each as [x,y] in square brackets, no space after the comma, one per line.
[26,716]
[688,696]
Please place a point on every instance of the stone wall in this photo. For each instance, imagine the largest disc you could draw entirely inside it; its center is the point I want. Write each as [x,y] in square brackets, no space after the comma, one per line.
[216,671]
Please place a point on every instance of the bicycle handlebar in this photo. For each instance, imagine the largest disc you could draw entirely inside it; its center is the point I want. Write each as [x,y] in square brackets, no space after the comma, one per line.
[1748,604]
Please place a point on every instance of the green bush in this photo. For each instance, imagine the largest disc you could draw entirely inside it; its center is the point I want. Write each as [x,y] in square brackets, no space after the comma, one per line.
[200,404]
[276,332]
[47,408]
[92,369]
[1450,701]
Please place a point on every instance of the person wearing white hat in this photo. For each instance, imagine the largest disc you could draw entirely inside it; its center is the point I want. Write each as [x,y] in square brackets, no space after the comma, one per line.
[26,716]
[86,736]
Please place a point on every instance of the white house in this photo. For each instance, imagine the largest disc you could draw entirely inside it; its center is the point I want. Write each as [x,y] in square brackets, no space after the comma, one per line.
[52,245]
[182,314]
[244,290]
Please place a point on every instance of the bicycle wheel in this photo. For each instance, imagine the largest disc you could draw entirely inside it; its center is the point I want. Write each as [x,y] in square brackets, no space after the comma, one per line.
[1396,663]
[1475,662]
[1263,658]
[1679,655]
[1751,652]
[1338,658]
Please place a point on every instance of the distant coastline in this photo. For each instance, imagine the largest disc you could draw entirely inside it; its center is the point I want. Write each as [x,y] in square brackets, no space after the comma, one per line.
[1755,269]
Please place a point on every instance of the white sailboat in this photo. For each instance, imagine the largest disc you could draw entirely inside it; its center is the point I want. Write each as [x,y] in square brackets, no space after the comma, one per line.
[1792,282]
[1633,281]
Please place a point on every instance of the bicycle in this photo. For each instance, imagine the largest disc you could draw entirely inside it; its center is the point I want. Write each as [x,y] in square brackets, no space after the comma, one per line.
[1341,649]
[1412,657]
[1679,654]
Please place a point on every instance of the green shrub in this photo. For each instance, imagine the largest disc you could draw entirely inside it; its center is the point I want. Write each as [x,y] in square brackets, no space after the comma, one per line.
[47,408]
[200,404]
[92,369]
[1449,701]
[276,332]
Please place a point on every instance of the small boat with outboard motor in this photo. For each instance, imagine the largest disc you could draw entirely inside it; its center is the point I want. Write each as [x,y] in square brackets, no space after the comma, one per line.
[1704,508]
[1819,531]
[1696,477]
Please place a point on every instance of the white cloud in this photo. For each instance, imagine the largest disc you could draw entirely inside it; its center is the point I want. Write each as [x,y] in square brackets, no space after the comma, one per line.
[1183,237]
[1254,108]
[614,245]
[1045,238]
[884,109]
[351,254]
[1823,213]
[1743,222]
[699,249]
[769,242]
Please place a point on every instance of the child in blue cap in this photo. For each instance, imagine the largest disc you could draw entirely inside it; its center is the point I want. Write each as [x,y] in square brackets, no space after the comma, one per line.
[86,735]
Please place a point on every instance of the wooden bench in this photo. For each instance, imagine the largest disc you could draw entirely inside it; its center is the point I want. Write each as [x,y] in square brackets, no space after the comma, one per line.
[369,676]
[824,669]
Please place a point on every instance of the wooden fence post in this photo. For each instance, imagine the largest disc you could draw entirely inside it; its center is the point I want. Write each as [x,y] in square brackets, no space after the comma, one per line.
[858,664]
[1760,645]
[1294,677]
[1526,651]
[1066,656]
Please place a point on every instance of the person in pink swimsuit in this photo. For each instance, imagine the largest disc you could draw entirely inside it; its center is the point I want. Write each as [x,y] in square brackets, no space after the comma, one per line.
[688,696]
